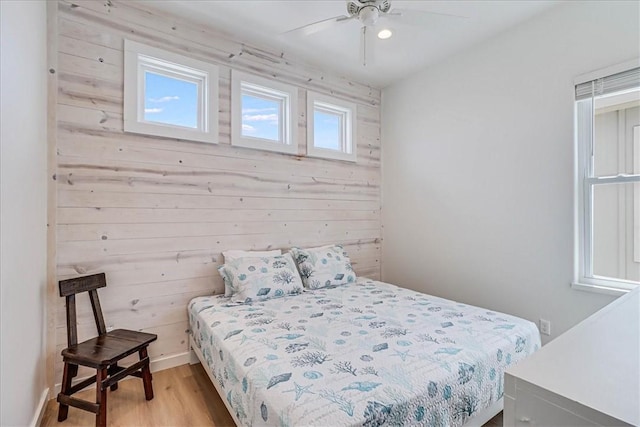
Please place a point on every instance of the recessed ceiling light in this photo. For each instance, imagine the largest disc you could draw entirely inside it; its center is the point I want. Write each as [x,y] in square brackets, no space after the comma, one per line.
[385,34]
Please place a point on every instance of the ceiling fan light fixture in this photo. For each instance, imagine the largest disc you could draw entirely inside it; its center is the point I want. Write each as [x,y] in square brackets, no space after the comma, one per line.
[384,34]
[368,15]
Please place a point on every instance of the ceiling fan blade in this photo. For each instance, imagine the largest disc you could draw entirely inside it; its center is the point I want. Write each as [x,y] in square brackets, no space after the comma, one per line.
[418,17]
[319,25]
[367,45]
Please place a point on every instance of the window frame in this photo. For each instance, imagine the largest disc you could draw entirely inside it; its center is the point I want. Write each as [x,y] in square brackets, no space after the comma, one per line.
[347,111]
[585,182]
[140,58]
[636,194]
[268,89]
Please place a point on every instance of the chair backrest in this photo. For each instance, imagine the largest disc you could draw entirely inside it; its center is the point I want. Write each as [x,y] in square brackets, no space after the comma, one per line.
[69,288]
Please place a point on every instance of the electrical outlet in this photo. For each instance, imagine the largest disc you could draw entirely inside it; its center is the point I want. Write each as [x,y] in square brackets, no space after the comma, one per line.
[545,327]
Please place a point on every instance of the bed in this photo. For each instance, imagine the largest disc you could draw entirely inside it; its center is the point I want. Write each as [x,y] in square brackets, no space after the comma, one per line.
[364,354]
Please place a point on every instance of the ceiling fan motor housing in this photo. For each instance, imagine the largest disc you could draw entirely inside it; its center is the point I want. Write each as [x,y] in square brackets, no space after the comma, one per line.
[368,11]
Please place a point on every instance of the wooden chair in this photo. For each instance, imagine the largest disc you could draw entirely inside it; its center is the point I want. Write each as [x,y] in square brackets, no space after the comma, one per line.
[101,353]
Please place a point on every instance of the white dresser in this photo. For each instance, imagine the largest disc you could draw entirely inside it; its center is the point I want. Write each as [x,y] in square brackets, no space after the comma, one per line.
[589,376]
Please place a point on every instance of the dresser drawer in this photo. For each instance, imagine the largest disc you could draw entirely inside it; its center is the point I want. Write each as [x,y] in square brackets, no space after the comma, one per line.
[526,404]
[532,410]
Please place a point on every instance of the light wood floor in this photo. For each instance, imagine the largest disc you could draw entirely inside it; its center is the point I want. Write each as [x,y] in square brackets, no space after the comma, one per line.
[184,396]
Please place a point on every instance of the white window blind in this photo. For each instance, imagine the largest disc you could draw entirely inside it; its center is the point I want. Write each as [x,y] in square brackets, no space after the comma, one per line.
[614,83]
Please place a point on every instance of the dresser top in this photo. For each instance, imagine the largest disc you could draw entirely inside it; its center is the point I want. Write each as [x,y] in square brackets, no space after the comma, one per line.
[596,363]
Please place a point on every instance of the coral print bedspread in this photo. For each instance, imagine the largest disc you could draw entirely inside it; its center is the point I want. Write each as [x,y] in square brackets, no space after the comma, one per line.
[368,353]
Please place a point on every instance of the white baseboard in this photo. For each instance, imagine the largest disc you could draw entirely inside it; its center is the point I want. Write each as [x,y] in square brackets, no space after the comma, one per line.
[42,405]
[159,364]
[168,362]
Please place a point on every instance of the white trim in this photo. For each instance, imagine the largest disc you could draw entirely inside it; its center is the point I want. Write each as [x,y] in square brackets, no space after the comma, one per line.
[168,362]
[288,116]
[350,140]
[156,365]
[598,289]
[583,132]
[607,71]
[39,412]
[617,101]
[577,199]
[636,195]
[196,350]
[137,59]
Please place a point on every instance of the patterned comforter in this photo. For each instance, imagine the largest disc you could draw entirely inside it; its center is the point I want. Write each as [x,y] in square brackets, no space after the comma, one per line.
[366,354]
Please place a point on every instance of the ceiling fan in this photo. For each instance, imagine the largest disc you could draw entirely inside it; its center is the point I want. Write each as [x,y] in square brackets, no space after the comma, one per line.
[369,13]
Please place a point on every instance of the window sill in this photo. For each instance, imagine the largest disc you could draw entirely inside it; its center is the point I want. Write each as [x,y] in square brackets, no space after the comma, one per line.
[320,153]
[266,145]
[599,289]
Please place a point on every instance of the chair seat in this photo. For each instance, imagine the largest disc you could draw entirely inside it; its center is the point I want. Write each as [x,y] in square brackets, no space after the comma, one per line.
[107,349]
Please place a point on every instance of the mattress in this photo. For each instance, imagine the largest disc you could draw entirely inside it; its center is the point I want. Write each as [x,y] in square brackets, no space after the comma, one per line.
[368,354]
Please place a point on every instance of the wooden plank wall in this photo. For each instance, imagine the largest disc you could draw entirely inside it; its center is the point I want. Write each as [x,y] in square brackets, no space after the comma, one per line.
[155,214]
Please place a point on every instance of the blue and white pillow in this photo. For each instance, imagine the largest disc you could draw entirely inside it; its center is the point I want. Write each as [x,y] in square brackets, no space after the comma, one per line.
[233,254]
[261,278]
[324,266]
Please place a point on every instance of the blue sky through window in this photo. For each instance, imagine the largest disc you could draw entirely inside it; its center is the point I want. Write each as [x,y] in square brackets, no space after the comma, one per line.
[260,118]
[327,130]
[171,101]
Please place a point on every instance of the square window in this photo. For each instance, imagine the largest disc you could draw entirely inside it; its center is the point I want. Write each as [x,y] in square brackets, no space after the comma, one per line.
[263,114]
[261,117]
[169,95]
[170,100]
[330,128]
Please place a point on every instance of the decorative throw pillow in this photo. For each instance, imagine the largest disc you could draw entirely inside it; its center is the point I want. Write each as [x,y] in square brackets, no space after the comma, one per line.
[261,278]
[233,254]
[324,266]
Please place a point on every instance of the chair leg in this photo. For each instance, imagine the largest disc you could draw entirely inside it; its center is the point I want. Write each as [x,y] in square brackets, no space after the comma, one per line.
[146,376]
[113,369]
[101,397]
[67,375]
[73,371]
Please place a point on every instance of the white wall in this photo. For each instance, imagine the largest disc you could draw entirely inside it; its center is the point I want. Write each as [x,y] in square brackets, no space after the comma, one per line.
[478,165]
[23,213]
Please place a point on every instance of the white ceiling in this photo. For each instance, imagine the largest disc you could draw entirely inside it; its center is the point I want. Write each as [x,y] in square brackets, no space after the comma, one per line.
[260,22]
